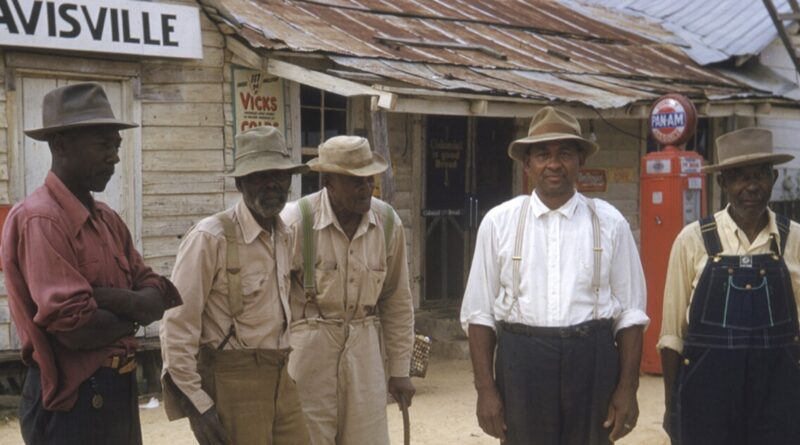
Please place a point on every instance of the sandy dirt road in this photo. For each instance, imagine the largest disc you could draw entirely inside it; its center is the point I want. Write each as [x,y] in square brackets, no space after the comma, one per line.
[442,414]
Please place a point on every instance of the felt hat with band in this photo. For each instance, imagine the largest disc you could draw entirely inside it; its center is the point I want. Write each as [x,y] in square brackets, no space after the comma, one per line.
[748,146]
[74,106]
[263,148]
[348,155]
[548,125]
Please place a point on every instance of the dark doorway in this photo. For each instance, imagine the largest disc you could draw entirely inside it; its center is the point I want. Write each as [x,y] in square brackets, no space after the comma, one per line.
[468,173]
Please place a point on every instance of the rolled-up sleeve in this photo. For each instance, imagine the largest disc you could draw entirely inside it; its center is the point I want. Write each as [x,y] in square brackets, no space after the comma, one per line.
[181,327]
[678,287]
[49,265]
[483,284]
[396,306]
[626,279]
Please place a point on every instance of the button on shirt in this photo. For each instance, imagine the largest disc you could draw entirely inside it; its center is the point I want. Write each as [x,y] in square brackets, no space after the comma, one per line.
[200,273]
[356,278]
[688,259]
[55,251]
[556,268]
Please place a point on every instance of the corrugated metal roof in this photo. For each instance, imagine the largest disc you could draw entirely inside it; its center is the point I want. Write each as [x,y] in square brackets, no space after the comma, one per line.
[710,30]
[541,50]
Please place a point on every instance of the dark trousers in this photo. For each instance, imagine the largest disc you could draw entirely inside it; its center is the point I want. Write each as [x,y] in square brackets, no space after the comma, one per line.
[556,389]
[737,397]
[115,422]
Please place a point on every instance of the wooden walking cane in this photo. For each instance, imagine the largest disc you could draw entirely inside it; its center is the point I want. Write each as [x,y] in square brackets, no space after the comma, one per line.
[406,421]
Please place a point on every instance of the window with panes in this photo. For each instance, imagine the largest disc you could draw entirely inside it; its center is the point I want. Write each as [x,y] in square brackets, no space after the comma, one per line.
[323,115]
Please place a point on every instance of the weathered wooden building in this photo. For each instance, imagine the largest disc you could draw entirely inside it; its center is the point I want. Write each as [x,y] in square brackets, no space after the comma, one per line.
[440,88]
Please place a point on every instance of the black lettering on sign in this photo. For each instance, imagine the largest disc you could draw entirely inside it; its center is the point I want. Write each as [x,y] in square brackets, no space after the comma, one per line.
[126,28]
[63,11]
[167,28]
[6,18]
[146,28]
[114,25]
[51,19]
[28,24]
[96,27]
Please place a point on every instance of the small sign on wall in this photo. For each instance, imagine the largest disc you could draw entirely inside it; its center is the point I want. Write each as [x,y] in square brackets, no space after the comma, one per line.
[258,100]
[592,180]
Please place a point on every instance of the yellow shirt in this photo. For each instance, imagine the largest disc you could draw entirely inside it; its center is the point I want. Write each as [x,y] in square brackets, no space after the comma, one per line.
[688,259]
[205,317]
[356,278]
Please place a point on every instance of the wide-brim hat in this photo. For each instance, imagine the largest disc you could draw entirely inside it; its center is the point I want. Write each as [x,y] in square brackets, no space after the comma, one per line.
[260,149]
[748,146]
[548,125]
[75,106]
[348,155]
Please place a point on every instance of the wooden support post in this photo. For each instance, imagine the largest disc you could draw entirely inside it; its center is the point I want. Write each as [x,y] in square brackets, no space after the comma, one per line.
[380,144]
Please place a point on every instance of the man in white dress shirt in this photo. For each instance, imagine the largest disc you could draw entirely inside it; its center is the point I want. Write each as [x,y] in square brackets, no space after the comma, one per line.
[557,288]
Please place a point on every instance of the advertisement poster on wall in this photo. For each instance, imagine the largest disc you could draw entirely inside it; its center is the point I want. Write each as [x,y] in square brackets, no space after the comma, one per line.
[258,100]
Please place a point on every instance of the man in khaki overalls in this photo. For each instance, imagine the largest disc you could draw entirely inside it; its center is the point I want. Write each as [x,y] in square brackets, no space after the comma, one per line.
[349,291]
[225,351]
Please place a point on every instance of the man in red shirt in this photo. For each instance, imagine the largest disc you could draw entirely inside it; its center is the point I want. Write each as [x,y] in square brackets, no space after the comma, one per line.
[77,287]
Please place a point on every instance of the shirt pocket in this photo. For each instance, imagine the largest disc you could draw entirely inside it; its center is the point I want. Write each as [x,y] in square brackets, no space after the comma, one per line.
[253,287]
[371,285]
[90,270]
[326,276]
[125,268]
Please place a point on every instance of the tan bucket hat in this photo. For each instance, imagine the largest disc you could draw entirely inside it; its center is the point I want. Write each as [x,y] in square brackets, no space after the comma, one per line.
[551,124]
[263,148]
[747,146]
[348,155]
[73,106]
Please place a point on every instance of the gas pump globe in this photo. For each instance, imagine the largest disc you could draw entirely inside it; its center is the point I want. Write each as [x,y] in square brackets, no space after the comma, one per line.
[672,196]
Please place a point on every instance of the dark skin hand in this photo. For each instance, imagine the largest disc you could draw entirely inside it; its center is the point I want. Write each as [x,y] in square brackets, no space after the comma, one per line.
[670,364]
[623,411]
[207,428]
[482,342]
[402,390]
[143,306]
[104,328]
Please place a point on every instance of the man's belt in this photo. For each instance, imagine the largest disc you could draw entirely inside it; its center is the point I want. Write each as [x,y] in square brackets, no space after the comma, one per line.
[123,364]
[575,331]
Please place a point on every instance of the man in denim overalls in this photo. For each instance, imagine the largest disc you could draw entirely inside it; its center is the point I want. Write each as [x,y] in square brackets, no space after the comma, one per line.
[729,341]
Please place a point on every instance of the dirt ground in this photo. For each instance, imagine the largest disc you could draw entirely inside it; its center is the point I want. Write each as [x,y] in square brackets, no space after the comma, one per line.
[443,413]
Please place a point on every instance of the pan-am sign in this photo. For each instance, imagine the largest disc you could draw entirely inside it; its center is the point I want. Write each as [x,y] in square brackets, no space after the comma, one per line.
[107,26]
[673,119]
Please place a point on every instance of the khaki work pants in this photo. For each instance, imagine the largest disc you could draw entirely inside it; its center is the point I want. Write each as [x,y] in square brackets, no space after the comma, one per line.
[255,397]
[340,377]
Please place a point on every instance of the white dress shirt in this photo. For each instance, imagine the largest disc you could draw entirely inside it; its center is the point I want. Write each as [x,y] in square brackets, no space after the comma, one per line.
[556,268]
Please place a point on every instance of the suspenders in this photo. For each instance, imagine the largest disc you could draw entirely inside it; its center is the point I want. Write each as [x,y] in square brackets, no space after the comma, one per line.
[232,268]
[309,248]
[708,228]
[598,251]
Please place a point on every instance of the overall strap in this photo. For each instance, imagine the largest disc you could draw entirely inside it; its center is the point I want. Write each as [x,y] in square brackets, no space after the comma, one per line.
[517,258]
[309,249]
[783,224]
[598,254]
[708,228]
[388,225]
[233,269]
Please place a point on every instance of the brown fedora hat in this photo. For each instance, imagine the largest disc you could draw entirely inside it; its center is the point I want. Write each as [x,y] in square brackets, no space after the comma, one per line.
[73,106]
[348,155]
[551,124]
[263,148]
[748,146]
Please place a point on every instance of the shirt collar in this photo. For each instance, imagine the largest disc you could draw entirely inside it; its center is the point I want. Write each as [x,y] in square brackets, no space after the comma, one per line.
[74,211]
[250,228]
[325,216]
[566,210]
[725,221]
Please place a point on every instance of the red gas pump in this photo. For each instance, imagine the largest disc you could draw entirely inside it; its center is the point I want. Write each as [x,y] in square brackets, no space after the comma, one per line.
[672,196]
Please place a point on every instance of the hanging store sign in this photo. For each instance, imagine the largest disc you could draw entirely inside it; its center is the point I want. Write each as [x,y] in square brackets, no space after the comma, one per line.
[258,100]
[106,26]
[673,119]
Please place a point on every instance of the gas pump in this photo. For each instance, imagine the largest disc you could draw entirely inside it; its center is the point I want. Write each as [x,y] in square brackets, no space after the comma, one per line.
[672,196]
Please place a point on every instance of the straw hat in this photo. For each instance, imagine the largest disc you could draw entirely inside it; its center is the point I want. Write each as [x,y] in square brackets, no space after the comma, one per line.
[348,155]
[263,148]
[73,106]
[747,146]
[551,124]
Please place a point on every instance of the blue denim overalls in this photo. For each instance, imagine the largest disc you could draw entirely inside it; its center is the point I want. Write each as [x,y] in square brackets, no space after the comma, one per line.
[739,382]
